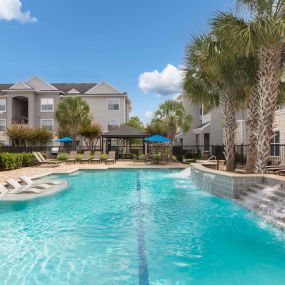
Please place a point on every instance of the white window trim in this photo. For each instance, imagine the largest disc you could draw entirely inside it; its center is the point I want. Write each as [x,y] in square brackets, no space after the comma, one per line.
[5,105]
[47,120]
[5,125]
[108,99]
[119,123]
[47,111]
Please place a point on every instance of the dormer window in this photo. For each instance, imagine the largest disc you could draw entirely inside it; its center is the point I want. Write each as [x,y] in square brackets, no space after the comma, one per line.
[47,104]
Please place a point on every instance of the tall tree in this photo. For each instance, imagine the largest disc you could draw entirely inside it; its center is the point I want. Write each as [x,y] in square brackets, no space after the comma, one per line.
[215,76]
[136,123]
[73,113]
[262,33]
[91,134]
[172,114]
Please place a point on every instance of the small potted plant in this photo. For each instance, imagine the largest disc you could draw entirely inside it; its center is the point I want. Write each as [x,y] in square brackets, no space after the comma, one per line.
[104,156]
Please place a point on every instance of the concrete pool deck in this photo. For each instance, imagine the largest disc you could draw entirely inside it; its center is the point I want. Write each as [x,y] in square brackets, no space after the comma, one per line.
[40,171]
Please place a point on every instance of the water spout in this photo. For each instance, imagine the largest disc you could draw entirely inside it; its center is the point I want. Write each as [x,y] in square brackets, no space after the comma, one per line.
[207,182]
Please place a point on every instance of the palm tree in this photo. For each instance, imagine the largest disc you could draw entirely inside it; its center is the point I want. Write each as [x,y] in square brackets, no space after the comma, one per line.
[172,115]
[262,34]
[73,113]
[214,76]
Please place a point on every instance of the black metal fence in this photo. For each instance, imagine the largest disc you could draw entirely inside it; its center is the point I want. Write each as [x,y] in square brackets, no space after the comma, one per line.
[277,151]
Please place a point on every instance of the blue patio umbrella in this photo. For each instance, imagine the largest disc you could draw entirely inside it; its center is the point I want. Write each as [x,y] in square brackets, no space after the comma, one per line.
[158,139]
[65,139]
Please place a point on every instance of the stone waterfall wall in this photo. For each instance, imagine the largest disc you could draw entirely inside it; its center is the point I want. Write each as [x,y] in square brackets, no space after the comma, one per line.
[220,183]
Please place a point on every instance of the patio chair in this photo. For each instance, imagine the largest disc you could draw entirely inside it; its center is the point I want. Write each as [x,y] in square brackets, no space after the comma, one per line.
[18,188]
[97,157]
[54,151]
[73,157]
[43,162]
[111,157]
[275,169]
[86,156]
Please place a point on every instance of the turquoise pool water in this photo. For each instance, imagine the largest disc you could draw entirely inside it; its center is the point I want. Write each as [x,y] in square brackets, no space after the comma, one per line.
[121,227]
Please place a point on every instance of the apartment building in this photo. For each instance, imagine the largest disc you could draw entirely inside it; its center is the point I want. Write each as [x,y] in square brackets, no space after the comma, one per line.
[207,126]
[34,102]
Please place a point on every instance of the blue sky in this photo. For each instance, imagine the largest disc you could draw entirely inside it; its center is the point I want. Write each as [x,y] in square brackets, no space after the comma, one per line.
[111,40]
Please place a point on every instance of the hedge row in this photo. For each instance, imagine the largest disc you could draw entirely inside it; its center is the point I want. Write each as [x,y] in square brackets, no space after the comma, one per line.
[10,161]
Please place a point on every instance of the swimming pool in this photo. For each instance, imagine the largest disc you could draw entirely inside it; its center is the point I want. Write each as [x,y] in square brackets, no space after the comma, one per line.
[133,227]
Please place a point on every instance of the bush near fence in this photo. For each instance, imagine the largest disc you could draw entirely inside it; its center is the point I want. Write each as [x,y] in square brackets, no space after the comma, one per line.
[10,161]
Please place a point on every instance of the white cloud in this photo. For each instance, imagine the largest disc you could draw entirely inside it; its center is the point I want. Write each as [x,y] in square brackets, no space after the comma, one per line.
[12,10]
[148,115]
[164,83]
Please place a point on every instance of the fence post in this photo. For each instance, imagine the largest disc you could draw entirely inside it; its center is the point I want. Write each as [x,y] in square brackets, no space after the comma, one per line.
[242,157]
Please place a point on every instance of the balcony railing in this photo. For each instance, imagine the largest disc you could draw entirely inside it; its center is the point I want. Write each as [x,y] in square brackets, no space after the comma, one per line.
[20,121]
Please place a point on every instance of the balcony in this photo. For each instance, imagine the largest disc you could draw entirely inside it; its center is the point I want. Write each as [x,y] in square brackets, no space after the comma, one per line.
[20,121]
[20,110]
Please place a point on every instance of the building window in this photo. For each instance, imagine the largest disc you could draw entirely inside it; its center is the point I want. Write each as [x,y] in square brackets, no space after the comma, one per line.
[2,125]
[113,104]
[113,124]
[275,144]
[47,123]
[47,105]
[2,105]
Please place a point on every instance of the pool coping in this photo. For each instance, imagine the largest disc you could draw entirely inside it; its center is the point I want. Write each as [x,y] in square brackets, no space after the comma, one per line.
[70,171]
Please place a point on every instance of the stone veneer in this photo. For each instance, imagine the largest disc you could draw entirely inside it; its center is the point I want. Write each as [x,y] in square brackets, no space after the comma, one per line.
[229,185]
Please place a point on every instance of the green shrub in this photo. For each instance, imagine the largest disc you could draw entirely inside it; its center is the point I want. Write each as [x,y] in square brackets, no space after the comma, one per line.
[79,157]
[63,156]
[174,158]
[134,156]
[104,156]
[10,161]
[141,157]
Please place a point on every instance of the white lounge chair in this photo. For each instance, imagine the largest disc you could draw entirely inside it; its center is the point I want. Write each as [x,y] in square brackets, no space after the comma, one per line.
[16,185]
[3,190]
[18,188]
[30,182]
[25,190]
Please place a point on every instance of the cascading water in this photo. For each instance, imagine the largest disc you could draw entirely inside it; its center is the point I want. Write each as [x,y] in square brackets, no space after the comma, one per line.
[207,182]
[184,174]
[268,202]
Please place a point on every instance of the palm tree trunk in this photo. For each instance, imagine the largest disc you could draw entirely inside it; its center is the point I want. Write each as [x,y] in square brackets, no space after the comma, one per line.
[269,77]
[253,118]
[228,106]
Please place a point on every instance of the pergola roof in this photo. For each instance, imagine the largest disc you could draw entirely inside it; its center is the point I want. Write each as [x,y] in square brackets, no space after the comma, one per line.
[125,132]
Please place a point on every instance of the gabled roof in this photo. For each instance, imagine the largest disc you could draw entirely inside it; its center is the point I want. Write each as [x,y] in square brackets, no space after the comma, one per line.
[21,86]
[102,88]
[80,87]
[5,87]
[39,84]
[73,91]
[125,132]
